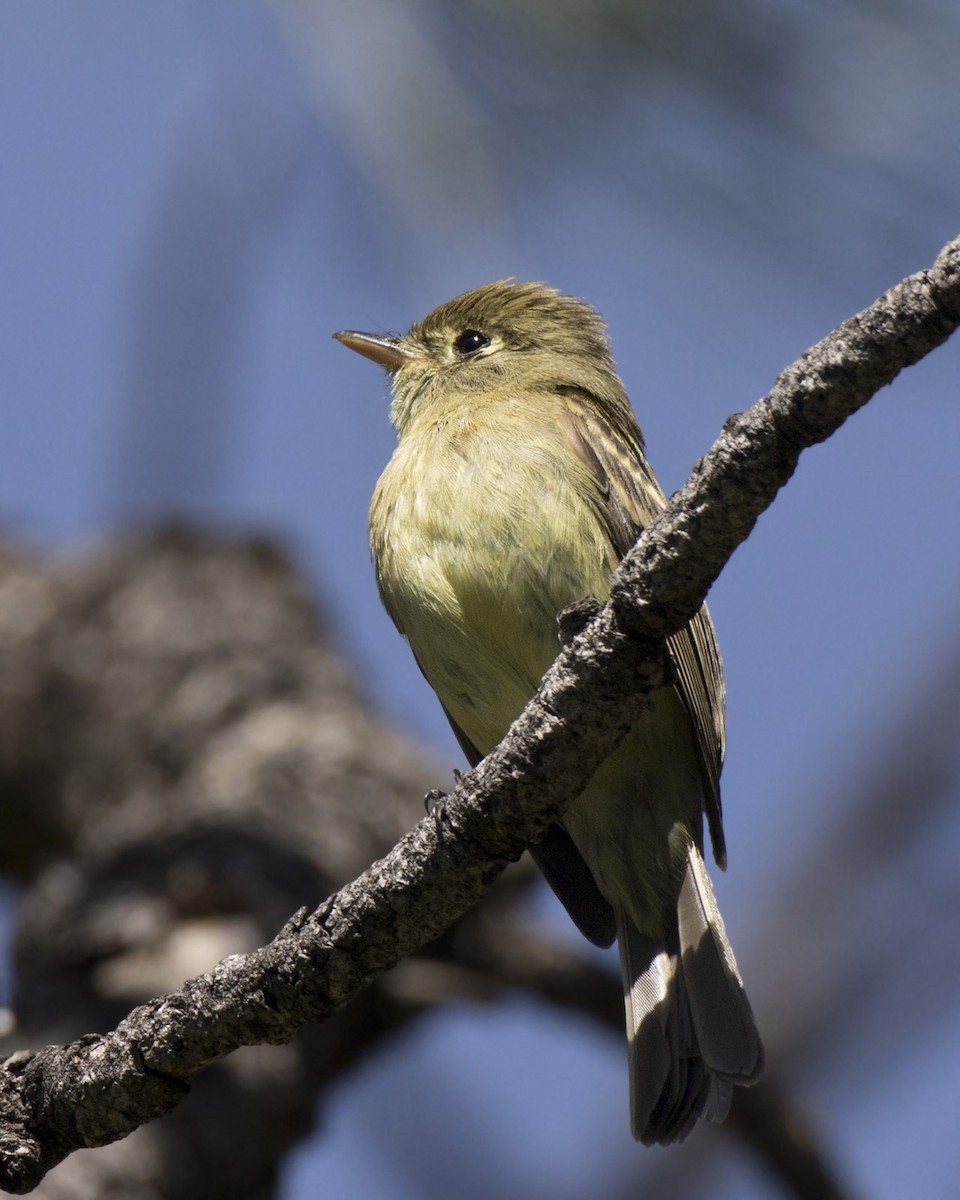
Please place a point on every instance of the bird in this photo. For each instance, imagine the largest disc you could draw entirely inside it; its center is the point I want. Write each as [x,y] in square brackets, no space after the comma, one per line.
[518,483]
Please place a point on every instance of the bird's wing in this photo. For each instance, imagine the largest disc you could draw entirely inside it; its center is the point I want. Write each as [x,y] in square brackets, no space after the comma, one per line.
[631,499]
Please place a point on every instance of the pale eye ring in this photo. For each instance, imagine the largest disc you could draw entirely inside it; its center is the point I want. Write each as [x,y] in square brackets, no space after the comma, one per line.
[469,342]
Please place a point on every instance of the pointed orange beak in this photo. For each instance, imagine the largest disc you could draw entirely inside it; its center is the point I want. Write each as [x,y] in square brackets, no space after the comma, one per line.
[389,352]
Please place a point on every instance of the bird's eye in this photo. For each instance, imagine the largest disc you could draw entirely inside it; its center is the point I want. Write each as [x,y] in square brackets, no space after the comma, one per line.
[469,342]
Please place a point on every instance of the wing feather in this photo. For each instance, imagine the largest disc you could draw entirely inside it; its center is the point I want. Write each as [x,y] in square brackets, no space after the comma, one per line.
[632,498]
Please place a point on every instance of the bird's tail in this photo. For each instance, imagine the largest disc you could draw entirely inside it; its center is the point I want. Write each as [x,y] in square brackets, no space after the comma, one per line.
[690,1030]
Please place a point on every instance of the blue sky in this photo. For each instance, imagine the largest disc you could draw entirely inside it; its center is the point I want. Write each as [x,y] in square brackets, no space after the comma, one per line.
[194,196]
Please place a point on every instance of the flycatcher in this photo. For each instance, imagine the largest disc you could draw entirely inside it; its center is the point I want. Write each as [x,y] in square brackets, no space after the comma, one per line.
[518,483]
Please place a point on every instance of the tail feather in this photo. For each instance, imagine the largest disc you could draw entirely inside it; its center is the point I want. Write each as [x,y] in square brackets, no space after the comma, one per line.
[690,1030]
[722,1017]
[654,1058]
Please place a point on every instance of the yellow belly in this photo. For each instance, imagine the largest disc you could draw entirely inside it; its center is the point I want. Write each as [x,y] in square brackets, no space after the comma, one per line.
[474,561]
[477,557]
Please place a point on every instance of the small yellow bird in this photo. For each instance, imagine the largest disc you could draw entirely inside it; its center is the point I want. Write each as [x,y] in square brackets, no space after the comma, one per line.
[518,483]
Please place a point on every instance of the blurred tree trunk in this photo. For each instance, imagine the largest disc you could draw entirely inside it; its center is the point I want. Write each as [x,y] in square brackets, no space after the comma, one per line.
[184,761]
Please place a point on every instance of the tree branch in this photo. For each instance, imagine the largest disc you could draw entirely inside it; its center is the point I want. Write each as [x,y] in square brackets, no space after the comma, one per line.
[99,1088]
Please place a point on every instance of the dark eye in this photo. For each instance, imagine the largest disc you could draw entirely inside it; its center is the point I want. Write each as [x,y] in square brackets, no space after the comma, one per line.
[470,341]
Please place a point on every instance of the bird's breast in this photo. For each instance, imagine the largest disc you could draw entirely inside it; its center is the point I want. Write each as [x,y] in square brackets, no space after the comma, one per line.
[482,530]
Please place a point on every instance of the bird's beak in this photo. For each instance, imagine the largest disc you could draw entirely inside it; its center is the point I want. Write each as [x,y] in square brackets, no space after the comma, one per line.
[389,352]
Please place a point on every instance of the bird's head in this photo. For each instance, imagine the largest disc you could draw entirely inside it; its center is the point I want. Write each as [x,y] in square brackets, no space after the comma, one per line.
[501,337]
